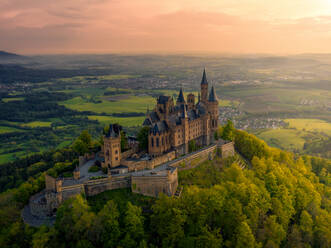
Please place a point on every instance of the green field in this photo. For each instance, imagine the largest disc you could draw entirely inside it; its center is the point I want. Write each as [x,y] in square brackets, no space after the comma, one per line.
[12,99]
[287,139]
[6,129]
[103,77]
[127,104]
[312,125]
[37,124]
[125,121]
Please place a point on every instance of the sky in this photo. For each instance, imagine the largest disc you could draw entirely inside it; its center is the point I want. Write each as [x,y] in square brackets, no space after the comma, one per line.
[165,26]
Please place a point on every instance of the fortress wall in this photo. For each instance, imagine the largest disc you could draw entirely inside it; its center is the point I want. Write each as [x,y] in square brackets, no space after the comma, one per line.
[50,183]
[227,149]
[162,159]
[153,185]
[70,191]
[127,154]
[94,187]
[149,164]
[38,208]
[201,155]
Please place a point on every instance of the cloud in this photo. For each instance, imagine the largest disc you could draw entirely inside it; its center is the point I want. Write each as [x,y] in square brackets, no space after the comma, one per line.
[41,26]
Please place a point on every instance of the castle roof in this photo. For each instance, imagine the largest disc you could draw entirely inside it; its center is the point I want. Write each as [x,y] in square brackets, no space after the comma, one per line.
[183,111]
[204,77]
[163,99]
[201,108]
[147,122]
[114,130]
[212,95]
[181,96]
[159,127]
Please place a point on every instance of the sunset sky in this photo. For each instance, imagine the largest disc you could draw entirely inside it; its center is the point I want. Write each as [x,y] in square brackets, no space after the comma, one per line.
[222,26]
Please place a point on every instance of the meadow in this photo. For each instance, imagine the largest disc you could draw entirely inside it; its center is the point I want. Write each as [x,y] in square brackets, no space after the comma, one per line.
[8,129]
[297,134]
[312,125]
[287,139]
[93,91]
[123,121]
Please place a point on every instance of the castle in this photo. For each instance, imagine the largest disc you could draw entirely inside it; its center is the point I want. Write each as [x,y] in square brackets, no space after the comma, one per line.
[173,127]
[172,130]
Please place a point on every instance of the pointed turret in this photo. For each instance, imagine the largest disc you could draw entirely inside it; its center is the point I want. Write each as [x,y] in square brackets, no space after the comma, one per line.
[180,98]
[204,77]
[212,95]
[183,111]
[204,87]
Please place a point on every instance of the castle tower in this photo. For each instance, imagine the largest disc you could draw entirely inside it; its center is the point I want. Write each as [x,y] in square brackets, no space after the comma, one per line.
[190,101]
[112,146]
[180,98]
[184,122]
[213,110]
[204,87]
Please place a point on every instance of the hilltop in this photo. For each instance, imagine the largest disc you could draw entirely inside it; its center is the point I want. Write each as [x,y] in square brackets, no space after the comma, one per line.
[7,55]
[278,200]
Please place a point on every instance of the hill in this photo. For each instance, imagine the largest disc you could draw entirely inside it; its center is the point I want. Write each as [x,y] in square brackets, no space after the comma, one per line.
[6,55]
[278,200]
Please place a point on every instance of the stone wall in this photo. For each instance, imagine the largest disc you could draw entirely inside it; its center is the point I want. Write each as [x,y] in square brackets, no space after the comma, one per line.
[94,187]
[227,149]
[70,191]
[136,165]
[204,154]
[153,185]
[50,183]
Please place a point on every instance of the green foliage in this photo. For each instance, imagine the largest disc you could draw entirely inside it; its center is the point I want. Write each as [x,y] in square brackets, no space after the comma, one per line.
[80,147]
[93,168]
[228,131]
[280,201]
[86,138]
[124,141]
[142,137]
[134,226]
[192,146]
[245,237]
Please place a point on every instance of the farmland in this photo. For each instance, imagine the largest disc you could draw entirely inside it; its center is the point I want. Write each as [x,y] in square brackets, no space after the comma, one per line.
[49,101]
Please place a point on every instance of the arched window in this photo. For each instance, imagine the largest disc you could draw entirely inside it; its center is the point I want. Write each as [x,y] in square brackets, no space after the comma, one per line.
[152,139]
[157,142]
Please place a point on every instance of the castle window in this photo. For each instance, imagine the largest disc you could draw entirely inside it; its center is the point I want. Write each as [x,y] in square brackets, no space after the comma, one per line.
[152,142]
[116,158]
[162,141]
[157,142]
[116,151]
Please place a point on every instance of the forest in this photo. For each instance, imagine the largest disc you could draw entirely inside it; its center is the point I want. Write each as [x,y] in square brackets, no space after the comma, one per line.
[279,200]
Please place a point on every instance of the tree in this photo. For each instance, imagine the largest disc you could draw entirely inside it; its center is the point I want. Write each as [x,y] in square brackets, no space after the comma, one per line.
[108,221]
[192,146]
[142,137]
[245,237]
[134,226]
[228,131]
[86,138]
[124,141]
[80,147]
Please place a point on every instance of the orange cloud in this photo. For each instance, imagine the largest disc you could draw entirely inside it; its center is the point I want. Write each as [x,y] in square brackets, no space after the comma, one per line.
[161,26]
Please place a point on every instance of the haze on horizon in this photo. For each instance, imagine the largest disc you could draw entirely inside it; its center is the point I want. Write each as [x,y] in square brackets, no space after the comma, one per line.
[222,26]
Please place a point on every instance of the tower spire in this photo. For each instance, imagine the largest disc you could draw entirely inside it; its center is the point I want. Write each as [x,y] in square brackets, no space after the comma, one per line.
[204,77]
[180,98]
[212,95]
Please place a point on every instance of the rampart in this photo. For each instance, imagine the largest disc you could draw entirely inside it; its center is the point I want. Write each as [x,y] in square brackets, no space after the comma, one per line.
[94,187]
[150,178]
[136,165]
[154,183]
